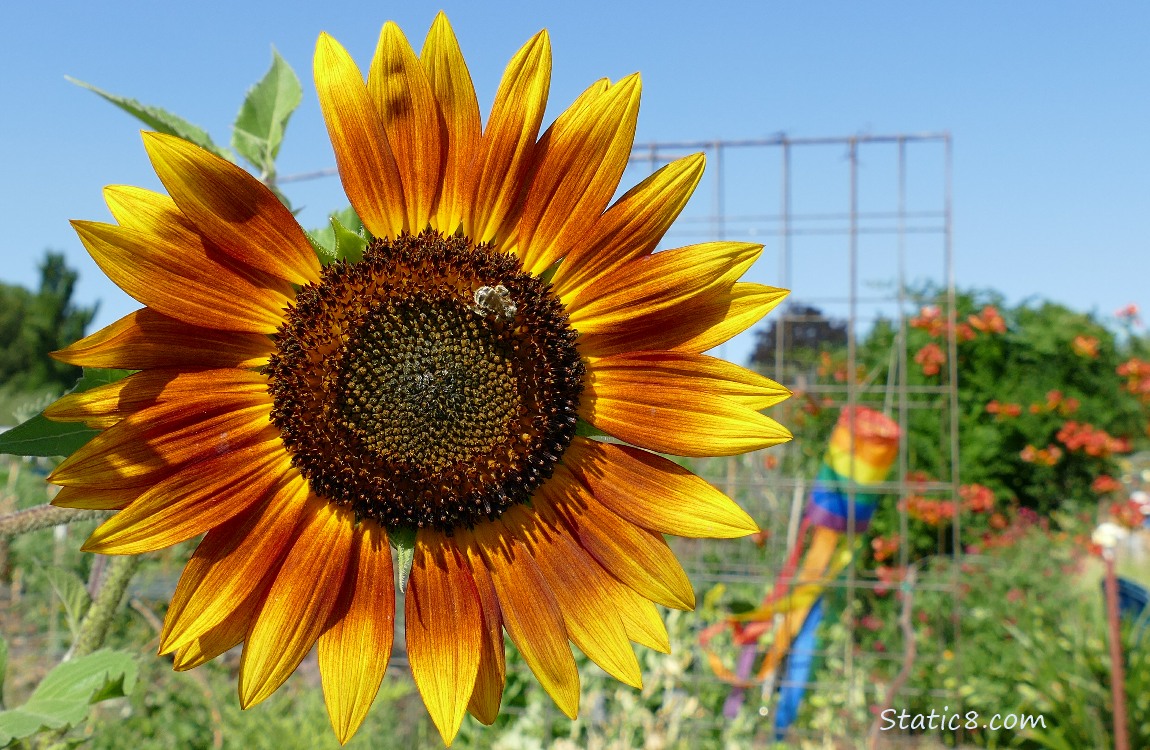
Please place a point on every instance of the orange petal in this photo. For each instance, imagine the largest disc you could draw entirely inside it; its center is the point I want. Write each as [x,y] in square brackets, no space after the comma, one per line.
[694,372]
[508,143]
[355,648]
[87,498]
[145,339]
[191,501]
[233,209]
[492,675]
[590,617]
[220,639]
[407,108]
[650,491]
[578,163]
[461,126]
[235,560]
[444,630]
[299,602]
[151,443]
[691,325]
[366,163]
[631,228]
[671,416]
[636,556]
[530,613]
[655,282]
[143,389]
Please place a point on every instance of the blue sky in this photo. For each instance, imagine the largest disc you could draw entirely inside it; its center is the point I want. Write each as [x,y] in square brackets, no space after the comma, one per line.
[1048,104]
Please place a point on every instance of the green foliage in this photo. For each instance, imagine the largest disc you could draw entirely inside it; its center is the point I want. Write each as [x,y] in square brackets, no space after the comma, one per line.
[259,127]
[62,698]
[404,542]
[345,239]
[34,324]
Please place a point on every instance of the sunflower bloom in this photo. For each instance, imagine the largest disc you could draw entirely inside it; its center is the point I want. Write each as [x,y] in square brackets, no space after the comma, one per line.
[297,414]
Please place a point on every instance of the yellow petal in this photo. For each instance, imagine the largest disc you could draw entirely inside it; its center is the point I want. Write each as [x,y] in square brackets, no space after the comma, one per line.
[631,228]
[590,617]
[530,613]
[694,372]
[145,339]
[191,501]
[641,618]
[690,325]
[236,560]
[578,164]
[233,209]
[455,93]
[86,498]
[650,491]
[355,648]
[659,281]
[299,602]
[366,163]
[492,675]
[508,144]
[444,630]
[636,556]
[407,108]
[671,416]
[220,639]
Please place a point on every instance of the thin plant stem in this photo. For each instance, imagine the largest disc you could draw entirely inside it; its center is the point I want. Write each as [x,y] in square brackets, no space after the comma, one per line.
[94,627]
[43,517]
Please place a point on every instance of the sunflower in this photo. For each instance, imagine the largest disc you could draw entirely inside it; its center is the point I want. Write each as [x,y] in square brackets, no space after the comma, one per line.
[441,388]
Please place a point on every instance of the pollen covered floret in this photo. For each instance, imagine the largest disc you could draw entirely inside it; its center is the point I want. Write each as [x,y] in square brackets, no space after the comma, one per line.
[431,384]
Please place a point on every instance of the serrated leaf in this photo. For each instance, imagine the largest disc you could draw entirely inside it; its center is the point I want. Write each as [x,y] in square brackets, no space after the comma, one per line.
[159,120]
[404,542]
[349,245]
[72,593]
[40,436]
[259,127]
[61,700]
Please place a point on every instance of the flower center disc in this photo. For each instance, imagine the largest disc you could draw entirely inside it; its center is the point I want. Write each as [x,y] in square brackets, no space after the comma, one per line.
[430,384]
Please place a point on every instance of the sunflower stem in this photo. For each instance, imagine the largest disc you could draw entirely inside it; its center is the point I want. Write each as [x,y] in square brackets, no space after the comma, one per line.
[94,627]
[43,517]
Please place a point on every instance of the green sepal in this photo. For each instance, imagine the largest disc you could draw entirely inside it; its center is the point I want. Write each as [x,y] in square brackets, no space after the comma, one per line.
[404,542]
[40,436]
[344,239]
[160,120]
[62,698]
[258,130]
[588,430]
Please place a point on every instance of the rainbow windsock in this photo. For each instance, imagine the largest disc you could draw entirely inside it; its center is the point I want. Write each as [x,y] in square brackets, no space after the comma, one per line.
[863,447]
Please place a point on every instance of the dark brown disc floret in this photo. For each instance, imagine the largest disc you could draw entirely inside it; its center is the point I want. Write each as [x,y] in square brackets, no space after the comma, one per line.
[433,383]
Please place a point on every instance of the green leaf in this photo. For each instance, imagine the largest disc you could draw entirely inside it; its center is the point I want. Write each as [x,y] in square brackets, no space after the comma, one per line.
[160,120]
[345,238]
[62,699]
[40,436]
[404,542]
[259,127]
[73,594]
[586,429]
[3,667]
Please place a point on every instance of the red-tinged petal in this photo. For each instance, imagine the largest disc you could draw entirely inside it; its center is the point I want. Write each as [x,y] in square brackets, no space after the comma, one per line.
[87,498]
[365,160]
[492,675]
[146,339]
[355,648]
[461,126]
[299,602]
[192,500]
[235,210]
[407,108]
[590,617]
[235,560]
[508,144]
[658,281]
[672,417]
[637,557]
[631,228]
[578,164]
[220,639]
[444,630]
[691,325]
[153,442]
[148,388]
[530,613]
[653,492]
